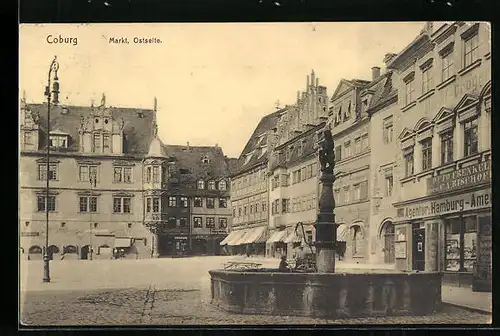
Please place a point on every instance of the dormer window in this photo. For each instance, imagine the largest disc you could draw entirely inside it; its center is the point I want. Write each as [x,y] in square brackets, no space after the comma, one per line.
[58,141]
[211,185]
[201,184]
[205,159]
[222,185]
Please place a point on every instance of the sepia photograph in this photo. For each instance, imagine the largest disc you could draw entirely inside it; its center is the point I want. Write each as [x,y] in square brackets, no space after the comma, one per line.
[264,173]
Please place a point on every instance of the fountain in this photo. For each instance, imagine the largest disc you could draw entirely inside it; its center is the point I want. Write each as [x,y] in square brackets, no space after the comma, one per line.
[325,293]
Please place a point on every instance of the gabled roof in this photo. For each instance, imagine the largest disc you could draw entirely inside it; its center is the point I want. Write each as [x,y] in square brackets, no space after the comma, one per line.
[257,140]
[137,130]
[405,133]
[346,84]
[188,168]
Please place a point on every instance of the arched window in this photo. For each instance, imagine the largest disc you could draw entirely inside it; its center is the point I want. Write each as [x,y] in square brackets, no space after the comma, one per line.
[53,249]
[357,239]
[69,249]
[35,249]
[205,159]
[222,185]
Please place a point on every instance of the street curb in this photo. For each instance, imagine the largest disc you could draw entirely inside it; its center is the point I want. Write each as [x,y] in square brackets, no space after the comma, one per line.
[471,309]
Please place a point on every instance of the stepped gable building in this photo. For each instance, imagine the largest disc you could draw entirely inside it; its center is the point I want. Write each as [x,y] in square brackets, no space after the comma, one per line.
[249,187]
[349,122]
[197,208]
[443,210]
[108,143]
[293,171]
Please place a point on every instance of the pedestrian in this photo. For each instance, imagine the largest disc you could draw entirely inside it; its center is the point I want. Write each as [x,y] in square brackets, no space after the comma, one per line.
[283,267]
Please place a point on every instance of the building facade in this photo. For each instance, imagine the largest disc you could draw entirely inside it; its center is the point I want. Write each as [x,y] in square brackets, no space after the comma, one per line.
[443,209]
[293,171]
[349,122]
[114,184]
[249,192]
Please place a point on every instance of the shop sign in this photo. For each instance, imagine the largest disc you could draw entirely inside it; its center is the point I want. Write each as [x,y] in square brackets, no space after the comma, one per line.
[469,201]
[215,231]
[460,178]
[30,234]
[181,238]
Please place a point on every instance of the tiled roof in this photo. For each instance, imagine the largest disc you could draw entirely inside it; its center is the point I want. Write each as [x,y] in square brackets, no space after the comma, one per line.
[137,124]
[188,168]
[359,82]
[256,145]
[232,164]
[383,90]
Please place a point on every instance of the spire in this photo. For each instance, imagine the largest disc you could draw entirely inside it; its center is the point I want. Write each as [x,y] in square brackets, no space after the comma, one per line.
[103,100]
[92,102]
[155,106]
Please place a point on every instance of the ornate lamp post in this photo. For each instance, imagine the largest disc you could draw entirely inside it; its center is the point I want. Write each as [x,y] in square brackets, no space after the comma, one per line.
[54,66]
[93,183]
[326,229]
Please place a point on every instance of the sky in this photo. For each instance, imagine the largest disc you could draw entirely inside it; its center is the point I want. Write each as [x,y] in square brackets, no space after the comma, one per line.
[213,81]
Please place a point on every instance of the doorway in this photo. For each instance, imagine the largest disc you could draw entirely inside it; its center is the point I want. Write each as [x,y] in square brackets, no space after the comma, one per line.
[84,252]
[419,249]
[389,243]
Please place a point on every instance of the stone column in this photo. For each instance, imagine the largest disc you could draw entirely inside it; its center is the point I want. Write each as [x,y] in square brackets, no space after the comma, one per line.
[156,246]
[431,246]
[326,229]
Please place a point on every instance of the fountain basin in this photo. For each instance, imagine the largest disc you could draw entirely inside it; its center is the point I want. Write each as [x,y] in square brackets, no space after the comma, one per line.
[326,295]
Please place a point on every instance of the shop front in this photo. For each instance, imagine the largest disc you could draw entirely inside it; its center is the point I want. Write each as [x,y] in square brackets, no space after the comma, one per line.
[450,229]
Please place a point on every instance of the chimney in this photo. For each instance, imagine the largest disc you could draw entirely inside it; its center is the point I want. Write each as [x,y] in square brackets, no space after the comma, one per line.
[313,76]
[317,82]
[375,72]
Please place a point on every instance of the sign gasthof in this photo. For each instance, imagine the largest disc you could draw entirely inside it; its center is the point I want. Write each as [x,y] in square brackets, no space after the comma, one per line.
[470,201]
[460,178]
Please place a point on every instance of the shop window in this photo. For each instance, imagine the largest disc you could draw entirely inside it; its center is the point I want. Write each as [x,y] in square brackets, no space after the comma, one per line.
[461,239]
[470,240]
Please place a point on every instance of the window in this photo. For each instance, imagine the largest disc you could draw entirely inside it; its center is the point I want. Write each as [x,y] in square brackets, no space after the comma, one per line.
[197,222]
[88,204]
[42,172]
[58,141]
[357,146]
[28,138]
[303,174]
[264,206]
[447,147]
[198,202]
[106,142]
[461,238]
[51,203]
[205,159]
[210,223]
[285,205]
[148,174]
[409,90]
[336,196]
[388,130]
[338,153]
[239,212]
[172,201]
[346,195]
[97,143]
[314,169]
[447,65]
[408,158]
[356,192]
[156,204]
[300,149]
[222,223]
[201,184]
[389,183]
[122,174]
[172,222]
[211,203]
[222,185]
[299,176]
[364,142]
[148,204]
[471,49]
[121,204]
[183,222]
[184,202]
[85,172]
[347,149]
[470,137]
[427,80]
[356,240]
[211,185]
[222,202]
[363,190]
[285,180]
[426,154]
[156,174]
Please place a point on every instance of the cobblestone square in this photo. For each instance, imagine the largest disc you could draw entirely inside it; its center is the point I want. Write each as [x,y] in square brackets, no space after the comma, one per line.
[158,292]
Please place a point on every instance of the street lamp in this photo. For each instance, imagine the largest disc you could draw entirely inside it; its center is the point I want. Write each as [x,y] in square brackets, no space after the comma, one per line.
[93,183]
[54,66]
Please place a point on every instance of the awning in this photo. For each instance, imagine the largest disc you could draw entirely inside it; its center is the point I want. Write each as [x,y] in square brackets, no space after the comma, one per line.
[228,238]
[292,238]
[123,242]
[236,238]
[342,233]
[277,236]
[253,235]
[241,239]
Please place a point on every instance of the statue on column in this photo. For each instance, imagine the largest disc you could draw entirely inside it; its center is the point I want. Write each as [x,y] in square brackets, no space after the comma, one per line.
[327,153]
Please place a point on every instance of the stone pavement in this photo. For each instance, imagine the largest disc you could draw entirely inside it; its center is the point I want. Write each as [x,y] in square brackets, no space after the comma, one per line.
[158,292]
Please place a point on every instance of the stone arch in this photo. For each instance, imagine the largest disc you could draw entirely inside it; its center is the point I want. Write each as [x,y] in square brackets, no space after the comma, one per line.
[485,91]
[356,237]
[35,249]
[383,225]
[70,249]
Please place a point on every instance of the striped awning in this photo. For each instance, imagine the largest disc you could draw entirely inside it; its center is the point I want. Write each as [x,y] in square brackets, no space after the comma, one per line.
[342,233]
[228,238]
[237,238]
[292,238]
[277,236]
[253,235]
